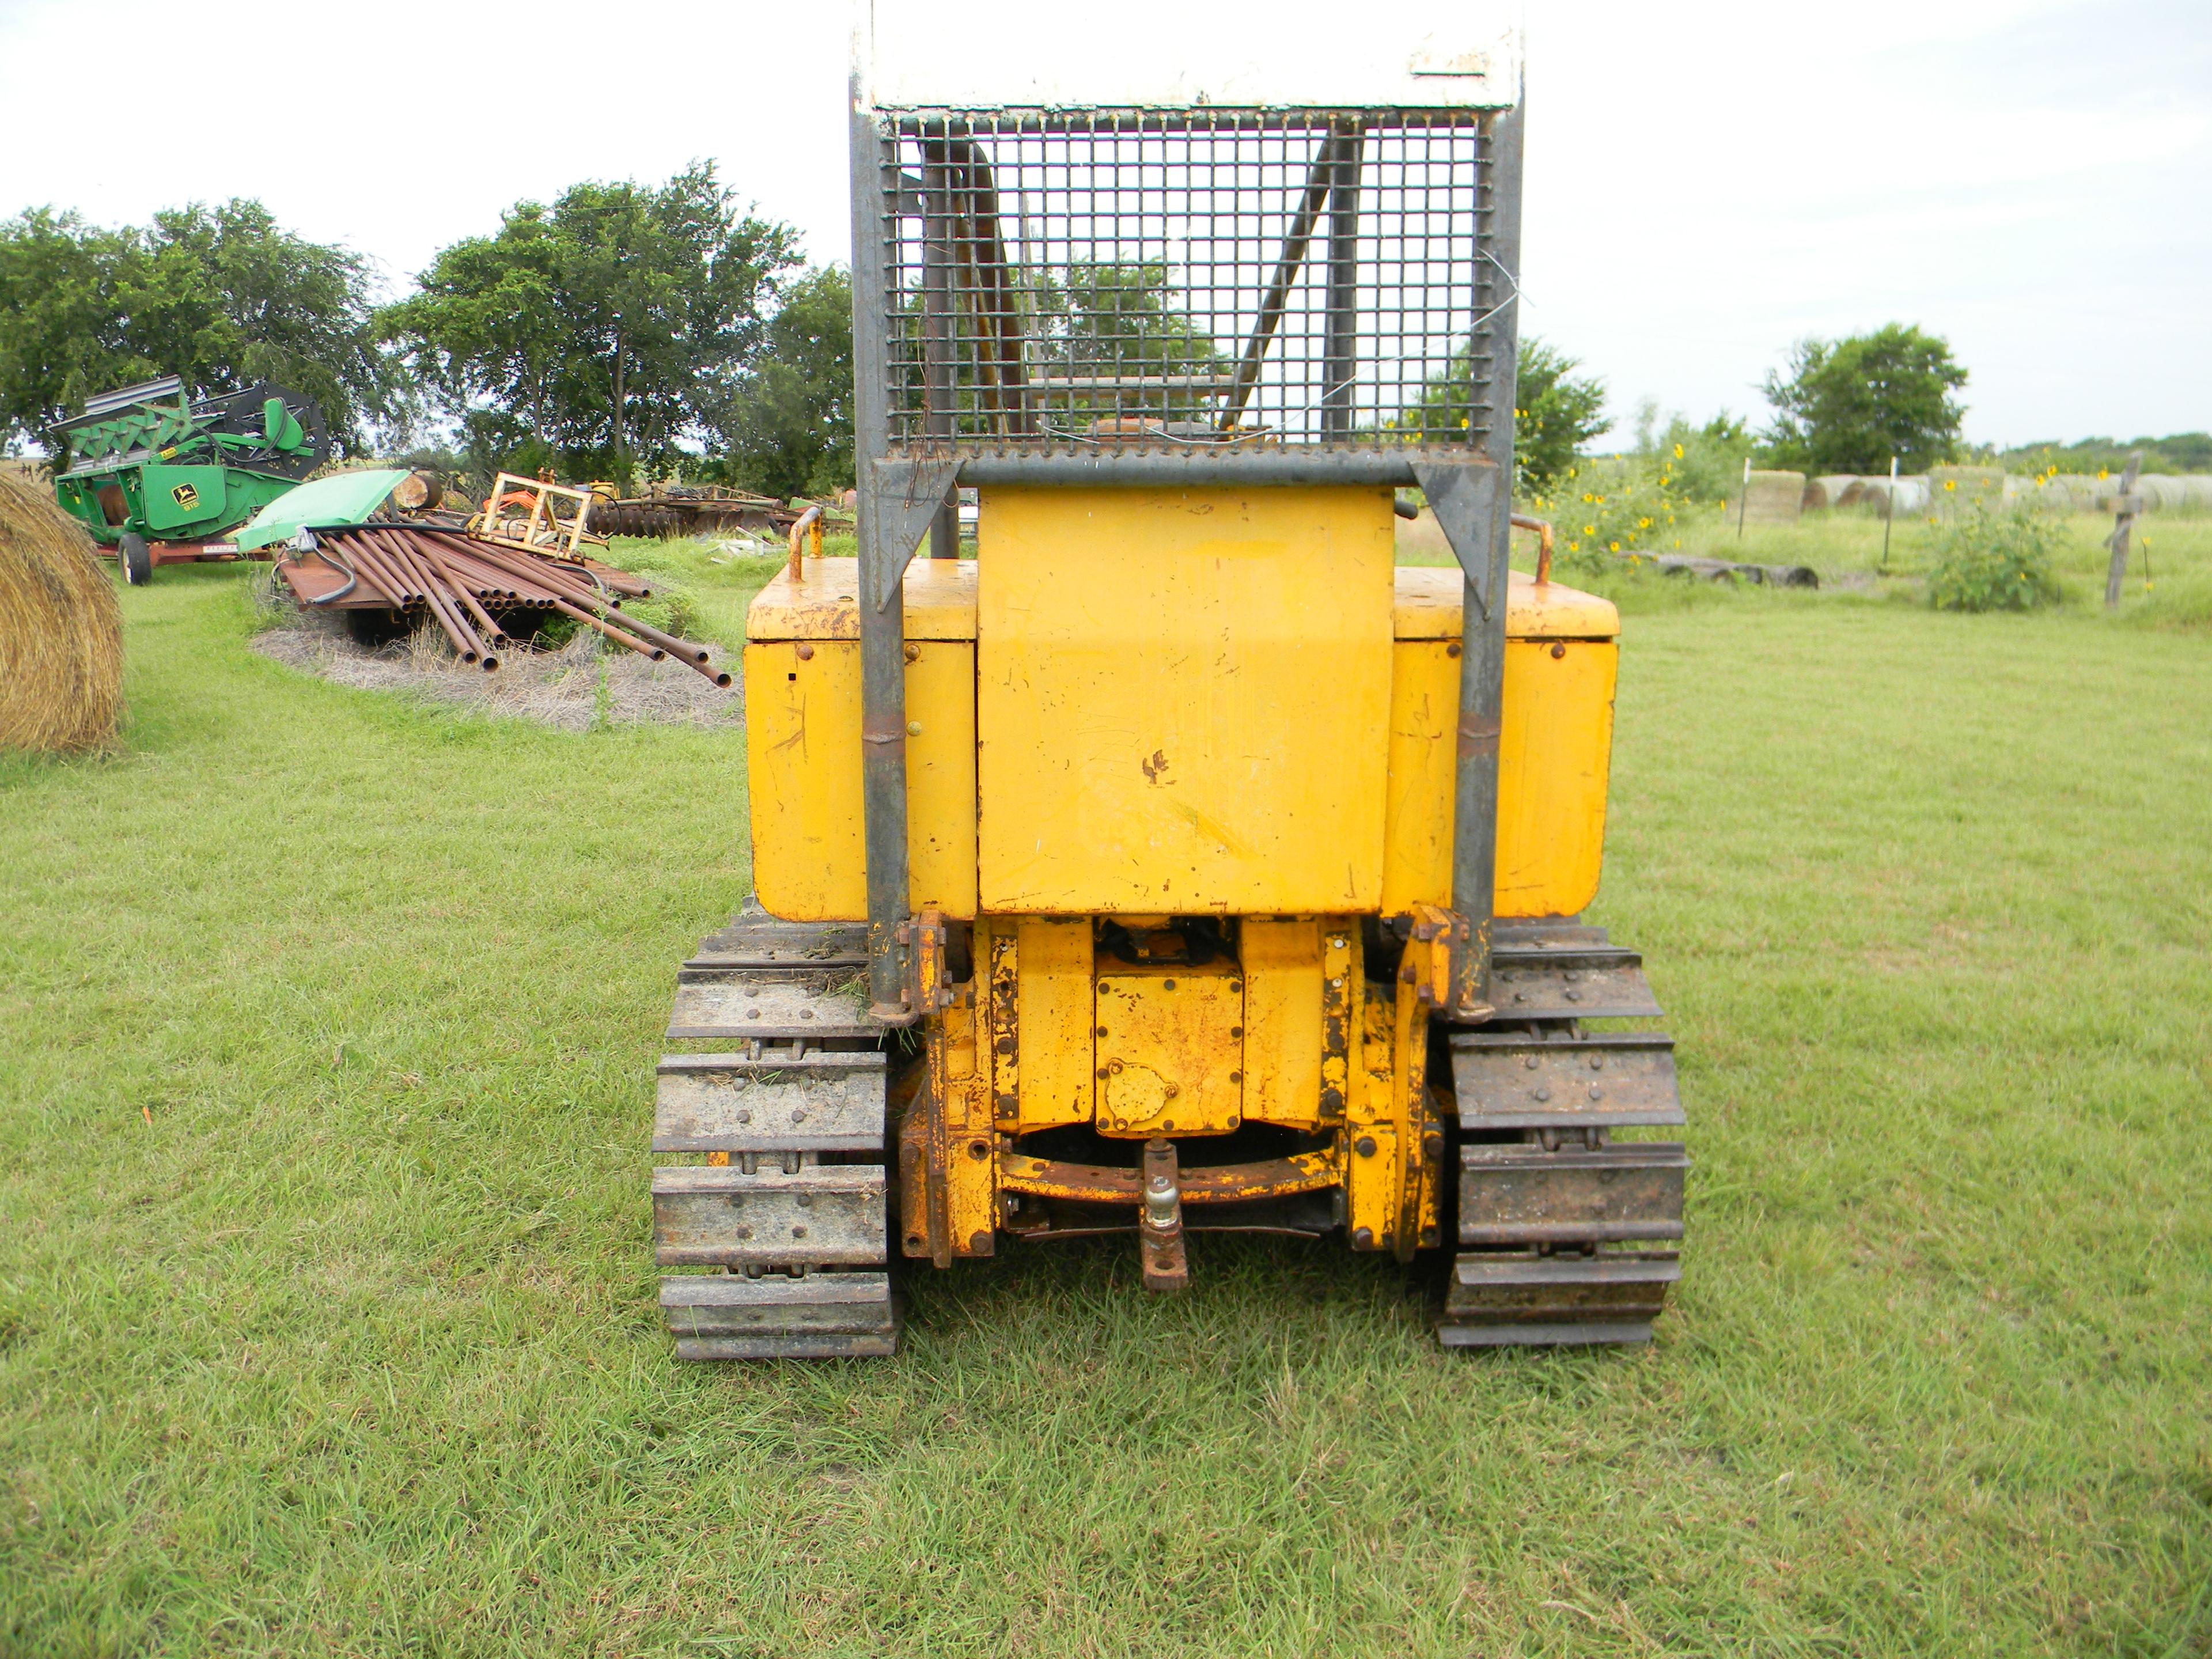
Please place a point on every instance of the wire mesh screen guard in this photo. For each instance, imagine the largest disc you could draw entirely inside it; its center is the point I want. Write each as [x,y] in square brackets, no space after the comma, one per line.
[1209,281]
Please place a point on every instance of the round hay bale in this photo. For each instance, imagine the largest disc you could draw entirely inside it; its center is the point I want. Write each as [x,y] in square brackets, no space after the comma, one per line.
[2199,492]
[1911,495]
[1774,498]
[1833,490]
[61,630]
[2080,491]
[2161,492]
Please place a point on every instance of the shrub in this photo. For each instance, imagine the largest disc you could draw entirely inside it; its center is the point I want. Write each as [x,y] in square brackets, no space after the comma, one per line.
[673,608]
[1995,559]
[1706,461]
[1603,509]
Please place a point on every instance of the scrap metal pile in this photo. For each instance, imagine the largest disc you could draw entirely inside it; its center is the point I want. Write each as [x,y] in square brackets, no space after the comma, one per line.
[485,586]
[690,510]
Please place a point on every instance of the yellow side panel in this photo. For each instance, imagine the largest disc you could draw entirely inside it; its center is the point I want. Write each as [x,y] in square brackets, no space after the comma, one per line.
[803,756]
[1177,698]
[1282,1020]
[1553,753]
[1418,820]
[1053,958]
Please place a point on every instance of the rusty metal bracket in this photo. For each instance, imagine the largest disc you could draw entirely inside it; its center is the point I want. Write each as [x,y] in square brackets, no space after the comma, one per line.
[1224,1183]
[1424,985]
[932,989]
[931,1137]
[1159,1227]
[1426,965]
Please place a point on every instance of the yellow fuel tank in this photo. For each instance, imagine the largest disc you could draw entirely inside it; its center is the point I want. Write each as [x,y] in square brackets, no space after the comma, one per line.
[1267,730]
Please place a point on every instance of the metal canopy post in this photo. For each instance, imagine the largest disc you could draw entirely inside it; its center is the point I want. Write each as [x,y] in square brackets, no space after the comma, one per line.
[1341,349]
[1482,662]
[939,221]
[883,619]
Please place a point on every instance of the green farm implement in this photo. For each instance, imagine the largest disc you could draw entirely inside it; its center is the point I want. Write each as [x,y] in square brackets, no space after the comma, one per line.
[160,476]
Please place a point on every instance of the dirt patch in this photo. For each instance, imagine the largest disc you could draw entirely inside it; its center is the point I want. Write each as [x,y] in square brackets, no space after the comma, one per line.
[573,688]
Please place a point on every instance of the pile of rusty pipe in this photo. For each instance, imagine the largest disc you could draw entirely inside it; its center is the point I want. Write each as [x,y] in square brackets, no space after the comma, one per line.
[436,560]
[687,652]
[395,578]
[650,652]
[577,598]
[465,639]
[452,574]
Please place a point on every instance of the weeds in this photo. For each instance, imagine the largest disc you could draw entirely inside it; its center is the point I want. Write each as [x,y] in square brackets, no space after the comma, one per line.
[1619,505]
[1996,559]
[671,607]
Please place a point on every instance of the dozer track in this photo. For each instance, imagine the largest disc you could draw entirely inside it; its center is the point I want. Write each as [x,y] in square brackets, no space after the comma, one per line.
[1567,1236]
[790,1206]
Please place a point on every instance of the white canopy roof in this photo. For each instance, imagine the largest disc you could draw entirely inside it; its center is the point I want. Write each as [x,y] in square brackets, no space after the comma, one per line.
[1424,54]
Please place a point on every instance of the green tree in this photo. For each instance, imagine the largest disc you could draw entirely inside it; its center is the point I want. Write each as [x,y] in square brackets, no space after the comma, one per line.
[602,330]
[2182,452]
[1848,405]
[788,430]
[1090,321]
[221,297]
[1555,412]
[1706,461]
[1555,415]
[1105,321]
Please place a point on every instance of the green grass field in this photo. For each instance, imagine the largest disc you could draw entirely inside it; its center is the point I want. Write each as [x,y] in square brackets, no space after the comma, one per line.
[326,1318]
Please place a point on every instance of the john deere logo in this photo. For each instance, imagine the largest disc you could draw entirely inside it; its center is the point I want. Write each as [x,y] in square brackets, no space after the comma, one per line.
[185,495]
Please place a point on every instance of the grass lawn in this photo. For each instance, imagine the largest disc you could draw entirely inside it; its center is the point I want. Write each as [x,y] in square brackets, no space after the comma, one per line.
[326,1296]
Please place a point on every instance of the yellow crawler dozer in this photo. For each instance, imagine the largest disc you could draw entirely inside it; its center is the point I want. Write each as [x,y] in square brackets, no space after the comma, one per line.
[1178,861]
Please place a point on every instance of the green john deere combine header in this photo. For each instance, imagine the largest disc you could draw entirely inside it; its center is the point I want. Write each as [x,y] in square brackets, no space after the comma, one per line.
[146,466]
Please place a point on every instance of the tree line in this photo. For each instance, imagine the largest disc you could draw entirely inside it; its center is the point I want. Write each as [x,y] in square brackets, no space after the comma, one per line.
[618,332]
[623,330]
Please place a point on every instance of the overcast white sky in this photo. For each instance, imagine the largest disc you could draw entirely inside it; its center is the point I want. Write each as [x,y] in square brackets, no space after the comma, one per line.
[1706,183]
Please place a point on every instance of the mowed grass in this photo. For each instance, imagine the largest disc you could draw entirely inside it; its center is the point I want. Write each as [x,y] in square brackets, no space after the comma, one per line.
[327,1299]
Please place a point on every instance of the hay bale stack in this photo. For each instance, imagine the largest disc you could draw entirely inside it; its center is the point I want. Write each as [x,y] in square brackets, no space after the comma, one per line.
[1833,490]
[1774,498]
[2163,492]
[1911,495]
[2076,492]
[61,631]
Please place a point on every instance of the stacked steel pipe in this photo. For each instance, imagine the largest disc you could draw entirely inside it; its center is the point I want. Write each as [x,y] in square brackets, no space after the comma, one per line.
[466,583]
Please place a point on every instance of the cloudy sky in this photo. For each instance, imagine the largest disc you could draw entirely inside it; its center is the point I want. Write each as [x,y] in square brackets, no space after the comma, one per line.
[2031,179]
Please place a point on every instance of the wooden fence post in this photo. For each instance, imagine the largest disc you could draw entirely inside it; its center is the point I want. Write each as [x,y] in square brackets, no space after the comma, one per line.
[2122,529]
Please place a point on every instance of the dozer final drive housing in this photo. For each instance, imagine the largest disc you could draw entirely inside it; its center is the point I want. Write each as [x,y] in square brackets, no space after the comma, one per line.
[1178,862]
